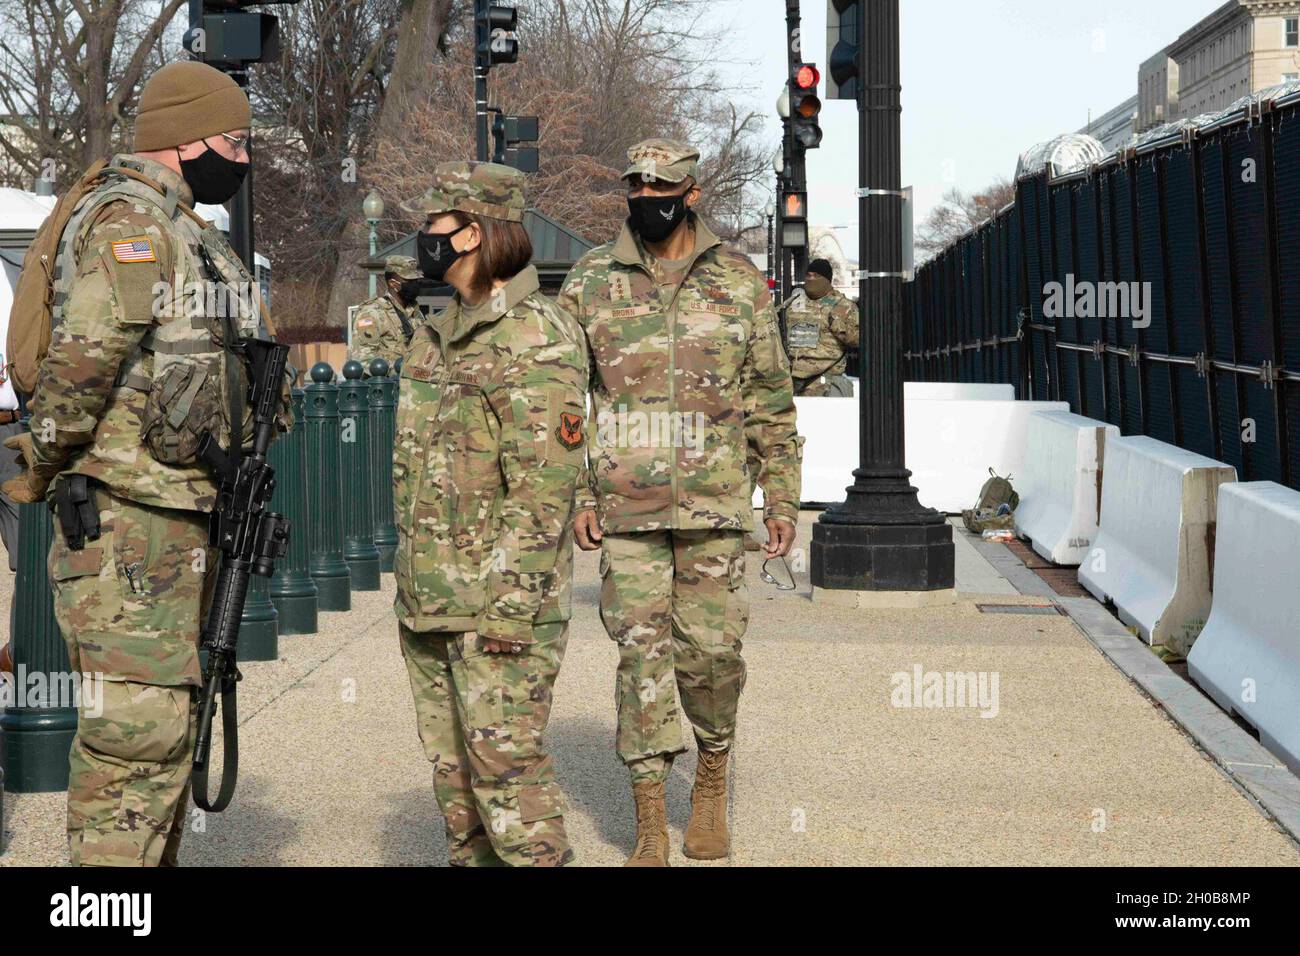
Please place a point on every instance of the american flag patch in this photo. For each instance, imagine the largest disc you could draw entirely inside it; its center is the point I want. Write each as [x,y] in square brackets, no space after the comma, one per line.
[134,250]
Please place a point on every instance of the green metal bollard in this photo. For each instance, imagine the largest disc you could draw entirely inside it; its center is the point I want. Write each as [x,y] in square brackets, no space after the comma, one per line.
[259,628]
[355,464]
[37,737]
[292,589]
[383,434]
[324,514]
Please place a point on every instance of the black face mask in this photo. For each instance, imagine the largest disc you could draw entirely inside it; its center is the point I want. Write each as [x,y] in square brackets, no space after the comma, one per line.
[213,178]
[409,290]
[654,218]
[436,253]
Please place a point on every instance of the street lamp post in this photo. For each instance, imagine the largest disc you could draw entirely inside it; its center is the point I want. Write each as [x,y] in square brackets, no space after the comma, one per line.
[373,209]
[778,248]
[881,539]
[785,173]
[771,250]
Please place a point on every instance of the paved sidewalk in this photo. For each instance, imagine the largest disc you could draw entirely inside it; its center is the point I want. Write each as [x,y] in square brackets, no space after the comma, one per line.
[1074,765]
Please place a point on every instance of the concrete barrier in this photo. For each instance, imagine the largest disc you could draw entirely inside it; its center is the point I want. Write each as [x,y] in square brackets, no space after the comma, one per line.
[1153,552]
[1060,488]
[1248,656]
[949,391]
[950,445]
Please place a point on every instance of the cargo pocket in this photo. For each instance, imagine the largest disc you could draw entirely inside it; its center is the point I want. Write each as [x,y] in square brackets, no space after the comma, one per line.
[540,801]
[136,722]
[87,601]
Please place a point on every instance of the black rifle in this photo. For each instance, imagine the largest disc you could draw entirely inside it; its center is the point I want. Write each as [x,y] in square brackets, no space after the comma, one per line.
[249,538]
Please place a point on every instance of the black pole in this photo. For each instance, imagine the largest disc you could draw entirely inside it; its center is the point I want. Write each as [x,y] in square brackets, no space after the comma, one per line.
[881,538]
[778,248]
[482,63]
[241,223]
[770,248]
[796,163]
[787,180]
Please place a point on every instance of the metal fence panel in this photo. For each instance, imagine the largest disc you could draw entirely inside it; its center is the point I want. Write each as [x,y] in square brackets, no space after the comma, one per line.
[1207,230]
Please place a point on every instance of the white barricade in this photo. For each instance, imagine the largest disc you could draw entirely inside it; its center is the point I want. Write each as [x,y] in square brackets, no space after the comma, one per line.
[951,445]
[1248,656]
[1152,554]
[948,391]
[1060,487]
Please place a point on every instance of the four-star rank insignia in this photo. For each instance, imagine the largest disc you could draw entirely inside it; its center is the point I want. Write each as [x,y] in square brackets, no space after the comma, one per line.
[570,431]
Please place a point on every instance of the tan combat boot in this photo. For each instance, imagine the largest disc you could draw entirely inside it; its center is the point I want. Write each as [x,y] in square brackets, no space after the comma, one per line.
[651,826]
[707,837]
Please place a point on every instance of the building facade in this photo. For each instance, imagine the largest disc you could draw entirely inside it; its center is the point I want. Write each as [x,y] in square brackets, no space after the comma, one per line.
[1116,128]
[1243,47]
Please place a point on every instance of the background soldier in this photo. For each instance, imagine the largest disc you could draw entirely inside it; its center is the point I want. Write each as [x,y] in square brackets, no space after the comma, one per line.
[684,345]
[130,567]
[490,440]
[383,326]
[823,325]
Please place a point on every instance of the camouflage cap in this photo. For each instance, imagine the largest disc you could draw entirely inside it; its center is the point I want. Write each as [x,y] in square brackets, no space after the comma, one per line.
[485,189]
[664,159]
[404,267]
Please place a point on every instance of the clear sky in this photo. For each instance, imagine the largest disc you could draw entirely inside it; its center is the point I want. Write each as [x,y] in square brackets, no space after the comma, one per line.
[983,80]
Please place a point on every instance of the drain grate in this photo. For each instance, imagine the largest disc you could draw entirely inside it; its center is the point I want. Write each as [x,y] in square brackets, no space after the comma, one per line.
[1020,609]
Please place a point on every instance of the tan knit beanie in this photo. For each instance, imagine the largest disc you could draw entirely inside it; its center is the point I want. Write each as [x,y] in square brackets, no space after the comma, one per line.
[187,101]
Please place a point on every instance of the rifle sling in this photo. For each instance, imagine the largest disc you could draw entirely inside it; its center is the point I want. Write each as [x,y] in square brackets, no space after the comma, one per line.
[229,756]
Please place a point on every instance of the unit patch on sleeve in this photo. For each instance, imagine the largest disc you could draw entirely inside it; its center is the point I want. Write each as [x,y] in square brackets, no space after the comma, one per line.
[570,431]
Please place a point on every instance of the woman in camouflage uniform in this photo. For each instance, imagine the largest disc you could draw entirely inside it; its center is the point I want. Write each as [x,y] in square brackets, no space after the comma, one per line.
[490,434]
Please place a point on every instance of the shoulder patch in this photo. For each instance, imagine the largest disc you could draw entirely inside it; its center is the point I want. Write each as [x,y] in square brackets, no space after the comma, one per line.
[138,249]
[365,323]
[569,431]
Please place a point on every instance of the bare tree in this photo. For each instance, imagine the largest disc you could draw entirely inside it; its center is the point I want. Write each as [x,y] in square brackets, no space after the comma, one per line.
[70,73]
[316,108]
[959,212]
[601,75]
[418,59]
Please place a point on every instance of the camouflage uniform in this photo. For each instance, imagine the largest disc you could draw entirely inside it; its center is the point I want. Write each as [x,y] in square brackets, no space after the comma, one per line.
[819,333]
[490,427]
[129,603]
[696,352]
[383,326]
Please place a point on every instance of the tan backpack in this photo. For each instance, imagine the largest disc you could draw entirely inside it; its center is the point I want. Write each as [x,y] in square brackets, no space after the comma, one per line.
[31,315]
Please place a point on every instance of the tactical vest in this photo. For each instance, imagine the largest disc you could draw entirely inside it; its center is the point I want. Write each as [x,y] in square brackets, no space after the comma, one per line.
[812,348]
[181,362]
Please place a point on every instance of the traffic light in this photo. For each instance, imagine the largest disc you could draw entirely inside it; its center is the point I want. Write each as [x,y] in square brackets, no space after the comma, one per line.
[842,18]
[494,27]
[225,35]
[805,107]
[794,219]
[509,130]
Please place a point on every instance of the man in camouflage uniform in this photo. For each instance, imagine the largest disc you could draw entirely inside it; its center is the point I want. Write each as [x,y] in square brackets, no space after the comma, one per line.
[130,565]
[688,379]
[383,326]
[822,326]
[490,438]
